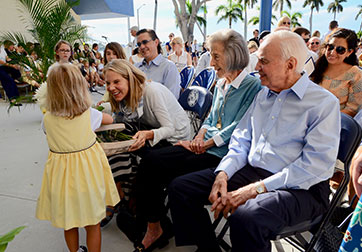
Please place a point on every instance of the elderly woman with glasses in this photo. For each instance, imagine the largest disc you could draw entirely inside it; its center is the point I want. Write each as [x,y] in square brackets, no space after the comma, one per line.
[337,70]
[234,93]
[180,57]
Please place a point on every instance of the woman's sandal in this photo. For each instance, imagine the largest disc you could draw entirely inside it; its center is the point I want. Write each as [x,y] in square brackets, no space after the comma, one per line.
[159,243]
[108,218]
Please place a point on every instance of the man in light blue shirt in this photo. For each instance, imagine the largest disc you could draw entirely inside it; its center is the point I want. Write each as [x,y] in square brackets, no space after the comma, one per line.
[154,65]
[280,158]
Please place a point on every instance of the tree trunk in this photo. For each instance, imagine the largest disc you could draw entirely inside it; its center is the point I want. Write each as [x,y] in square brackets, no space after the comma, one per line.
[245,22]
[310,20]
[155,17]
[334,18]
[202,33]
[186,22]
[230,22]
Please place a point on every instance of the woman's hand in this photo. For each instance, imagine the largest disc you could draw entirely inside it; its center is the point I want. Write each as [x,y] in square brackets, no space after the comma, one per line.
[185,144]
[198,145]
[141,137]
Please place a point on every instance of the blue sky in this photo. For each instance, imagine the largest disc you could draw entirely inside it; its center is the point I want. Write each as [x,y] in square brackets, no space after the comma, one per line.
[116,29]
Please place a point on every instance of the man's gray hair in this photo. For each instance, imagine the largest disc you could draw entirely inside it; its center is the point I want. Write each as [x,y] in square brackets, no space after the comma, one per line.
[235,48]
[291,45]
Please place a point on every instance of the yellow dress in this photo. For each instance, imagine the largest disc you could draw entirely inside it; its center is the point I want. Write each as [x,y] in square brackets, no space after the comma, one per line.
[77,181]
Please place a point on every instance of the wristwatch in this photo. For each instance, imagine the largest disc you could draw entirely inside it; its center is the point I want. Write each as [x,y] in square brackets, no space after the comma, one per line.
[260,188]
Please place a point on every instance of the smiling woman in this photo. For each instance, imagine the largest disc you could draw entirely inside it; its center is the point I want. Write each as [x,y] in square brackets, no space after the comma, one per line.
[150,112]
[337,70]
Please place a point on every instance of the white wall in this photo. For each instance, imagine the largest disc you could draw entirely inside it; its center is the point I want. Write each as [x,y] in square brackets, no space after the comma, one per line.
[12,19]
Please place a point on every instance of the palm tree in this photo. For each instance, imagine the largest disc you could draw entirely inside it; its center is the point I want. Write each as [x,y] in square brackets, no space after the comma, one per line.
[335,7]
[294,17]
[358,14]
[255,20]
[233,11]
[247,3]
[200,21]
[280,4]
[314,4]
[51,21]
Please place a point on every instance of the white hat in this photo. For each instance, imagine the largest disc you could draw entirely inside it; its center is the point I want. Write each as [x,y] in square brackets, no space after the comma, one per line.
[134,28]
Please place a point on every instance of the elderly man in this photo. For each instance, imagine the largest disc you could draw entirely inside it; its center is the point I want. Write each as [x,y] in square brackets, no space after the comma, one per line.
[314,44]
[280,158]
[154,65]
[133,31]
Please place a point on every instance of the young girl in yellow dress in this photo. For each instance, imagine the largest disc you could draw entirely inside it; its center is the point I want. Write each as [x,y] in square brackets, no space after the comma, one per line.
[77,181]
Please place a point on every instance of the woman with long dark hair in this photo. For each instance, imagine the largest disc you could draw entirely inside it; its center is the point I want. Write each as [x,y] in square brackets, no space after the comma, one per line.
[337,70]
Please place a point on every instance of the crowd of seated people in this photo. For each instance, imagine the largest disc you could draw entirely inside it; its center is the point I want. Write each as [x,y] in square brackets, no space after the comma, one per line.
[263,156]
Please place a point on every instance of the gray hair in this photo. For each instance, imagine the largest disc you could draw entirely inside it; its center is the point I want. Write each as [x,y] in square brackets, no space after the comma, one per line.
[291,45]
[235,48]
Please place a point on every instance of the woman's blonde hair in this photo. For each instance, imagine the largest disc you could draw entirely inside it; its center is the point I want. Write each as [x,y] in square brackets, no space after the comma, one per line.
[177,40]
[284,19]
[67,91]
[136,81]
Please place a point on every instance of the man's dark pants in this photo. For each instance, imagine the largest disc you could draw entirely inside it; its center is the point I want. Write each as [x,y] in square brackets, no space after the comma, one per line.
[253,224]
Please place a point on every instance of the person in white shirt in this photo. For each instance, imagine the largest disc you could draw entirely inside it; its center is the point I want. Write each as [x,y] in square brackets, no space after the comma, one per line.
[194,49]
[133,30]
[179,56]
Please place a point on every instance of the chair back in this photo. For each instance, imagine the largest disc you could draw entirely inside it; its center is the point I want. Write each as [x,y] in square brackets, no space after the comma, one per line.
[205,78]
[197,101]
[187,73]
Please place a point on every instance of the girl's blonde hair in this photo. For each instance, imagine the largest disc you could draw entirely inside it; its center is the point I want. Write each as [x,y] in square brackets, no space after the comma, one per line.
[67,91]
[136,81]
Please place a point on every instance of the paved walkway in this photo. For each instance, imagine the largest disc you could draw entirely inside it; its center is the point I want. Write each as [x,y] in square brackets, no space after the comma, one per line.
[23,153]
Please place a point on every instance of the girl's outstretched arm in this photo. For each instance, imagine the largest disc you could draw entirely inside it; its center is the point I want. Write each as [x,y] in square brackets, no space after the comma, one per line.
[106,118]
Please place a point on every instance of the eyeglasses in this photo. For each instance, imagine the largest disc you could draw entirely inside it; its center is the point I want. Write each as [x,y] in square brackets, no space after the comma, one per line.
[314,43]
[143,42]
[306,40]
[64,51]
[339,49]
[284,23]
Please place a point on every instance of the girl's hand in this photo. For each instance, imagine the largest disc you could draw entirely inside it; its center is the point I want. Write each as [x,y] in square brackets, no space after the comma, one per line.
[106,118]
[141,137]
[99,103]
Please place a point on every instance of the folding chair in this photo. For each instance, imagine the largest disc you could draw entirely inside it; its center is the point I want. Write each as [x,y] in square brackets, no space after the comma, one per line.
[196,100]
[205,78]
[350,139]
[187,73]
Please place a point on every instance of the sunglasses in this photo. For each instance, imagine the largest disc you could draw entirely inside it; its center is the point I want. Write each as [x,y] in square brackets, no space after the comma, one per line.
[143,42]
[339,49]
[306,40]
[314,43]
[284,23]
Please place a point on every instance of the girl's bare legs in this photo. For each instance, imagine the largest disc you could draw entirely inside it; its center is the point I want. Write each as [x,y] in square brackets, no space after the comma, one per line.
[94,238]
[72,239]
